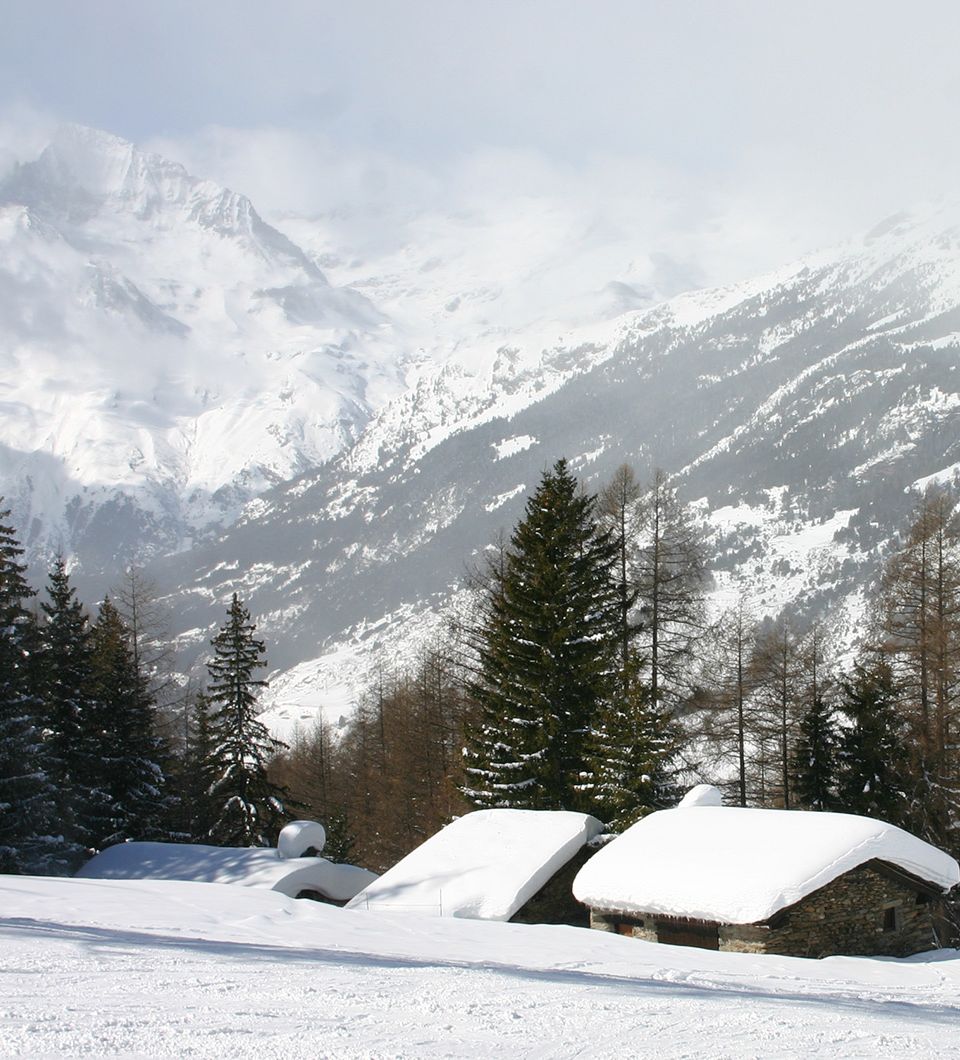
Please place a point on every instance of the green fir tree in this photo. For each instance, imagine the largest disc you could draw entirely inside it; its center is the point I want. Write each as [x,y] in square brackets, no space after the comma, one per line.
[130,751]
[65,676]
[248,809]
[816,762]
[29,823]
[631,755]
[547,648]
[874,750]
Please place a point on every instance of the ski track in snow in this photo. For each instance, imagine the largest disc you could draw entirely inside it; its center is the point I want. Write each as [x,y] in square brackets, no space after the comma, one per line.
[166,969]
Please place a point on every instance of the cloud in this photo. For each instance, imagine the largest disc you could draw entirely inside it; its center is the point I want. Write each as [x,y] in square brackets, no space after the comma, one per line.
[24,131]
[720,139]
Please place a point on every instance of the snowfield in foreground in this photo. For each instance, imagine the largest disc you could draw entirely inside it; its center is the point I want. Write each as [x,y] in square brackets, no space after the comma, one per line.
[155,969]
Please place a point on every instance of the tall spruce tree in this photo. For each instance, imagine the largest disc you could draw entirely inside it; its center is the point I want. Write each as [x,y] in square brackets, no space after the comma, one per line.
[130,751]
[874,760]
[65,677]
[547,649]
[816,757]
[29,826]
[248,806]
[631,754]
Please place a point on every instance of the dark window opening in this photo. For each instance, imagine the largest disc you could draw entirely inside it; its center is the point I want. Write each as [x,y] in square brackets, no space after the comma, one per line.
[923,899]
[890,918]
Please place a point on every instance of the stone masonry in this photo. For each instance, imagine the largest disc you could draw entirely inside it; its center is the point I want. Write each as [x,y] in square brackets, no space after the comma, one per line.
[870,911]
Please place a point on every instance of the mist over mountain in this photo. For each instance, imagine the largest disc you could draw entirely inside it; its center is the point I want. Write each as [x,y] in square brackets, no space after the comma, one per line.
[339,438]
[166,353]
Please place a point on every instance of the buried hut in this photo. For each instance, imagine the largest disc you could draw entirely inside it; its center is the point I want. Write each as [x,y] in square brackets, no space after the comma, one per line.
[503,864]
[293,868]
[770,881]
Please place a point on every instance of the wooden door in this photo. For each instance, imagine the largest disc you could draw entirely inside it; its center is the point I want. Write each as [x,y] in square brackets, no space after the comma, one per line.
[706,936]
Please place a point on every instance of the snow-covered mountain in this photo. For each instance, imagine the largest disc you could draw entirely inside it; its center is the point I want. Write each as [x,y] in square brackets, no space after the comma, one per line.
[166,354]
[182,380]
[796,410]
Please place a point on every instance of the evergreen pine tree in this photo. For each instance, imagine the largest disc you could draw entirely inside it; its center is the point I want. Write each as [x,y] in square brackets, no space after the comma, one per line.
[249,808]
[129,749]
[874,756]
[340,839]
[547,648]
[29,840]
[74,744]
[198,778]
[816,757]
[631,755]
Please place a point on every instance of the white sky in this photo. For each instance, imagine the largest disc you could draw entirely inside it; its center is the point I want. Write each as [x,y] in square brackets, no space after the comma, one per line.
[723,137]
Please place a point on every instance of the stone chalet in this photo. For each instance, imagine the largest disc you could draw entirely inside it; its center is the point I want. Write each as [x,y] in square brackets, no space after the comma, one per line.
[770,881]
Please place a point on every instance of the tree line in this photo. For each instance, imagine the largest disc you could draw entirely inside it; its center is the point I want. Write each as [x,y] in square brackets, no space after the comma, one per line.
[88,755]
[587,674]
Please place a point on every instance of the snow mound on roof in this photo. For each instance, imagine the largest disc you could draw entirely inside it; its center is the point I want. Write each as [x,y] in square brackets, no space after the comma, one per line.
[702,795]
[298,837]
[740,866]
[245,867]
[483,866]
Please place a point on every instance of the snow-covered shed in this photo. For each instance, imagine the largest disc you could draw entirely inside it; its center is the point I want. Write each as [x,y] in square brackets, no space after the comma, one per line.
[769,881]
[286,869]
[491,865]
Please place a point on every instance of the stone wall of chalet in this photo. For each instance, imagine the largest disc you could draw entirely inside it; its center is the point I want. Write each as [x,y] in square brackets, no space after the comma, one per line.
[851,916]
[863,912]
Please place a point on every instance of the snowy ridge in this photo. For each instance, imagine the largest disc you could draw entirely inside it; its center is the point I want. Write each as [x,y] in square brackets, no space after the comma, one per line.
[360,442]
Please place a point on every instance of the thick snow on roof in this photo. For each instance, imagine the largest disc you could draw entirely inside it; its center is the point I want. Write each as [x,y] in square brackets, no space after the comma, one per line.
[247,867]
[484,865]
[740,866]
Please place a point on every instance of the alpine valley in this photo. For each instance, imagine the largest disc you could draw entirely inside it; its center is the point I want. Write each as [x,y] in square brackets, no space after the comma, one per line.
[339,440]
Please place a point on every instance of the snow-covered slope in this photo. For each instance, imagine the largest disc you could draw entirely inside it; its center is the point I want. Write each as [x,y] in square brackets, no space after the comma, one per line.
[796,411]
[165,354]
[156,968]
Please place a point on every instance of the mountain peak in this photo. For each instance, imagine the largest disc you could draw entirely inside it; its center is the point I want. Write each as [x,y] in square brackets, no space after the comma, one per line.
[81,169]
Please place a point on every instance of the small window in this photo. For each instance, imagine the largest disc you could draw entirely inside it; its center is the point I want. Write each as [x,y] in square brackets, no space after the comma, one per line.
[890,918]
[923,899]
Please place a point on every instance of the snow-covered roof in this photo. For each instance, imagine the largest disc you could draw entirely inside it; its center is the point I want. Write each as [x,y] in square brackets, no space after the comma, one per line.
[245,866]
[483,866]
[740,866]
